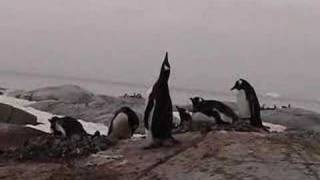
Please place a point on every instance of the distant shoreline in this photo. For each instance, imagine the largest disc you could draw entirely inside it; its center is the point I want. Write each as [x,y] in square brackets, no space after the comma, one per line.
[29,81]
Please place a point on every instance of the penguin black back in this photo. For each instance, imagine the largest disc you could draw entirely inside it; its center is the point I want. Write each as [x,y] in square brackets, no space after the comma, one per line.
[207,106]
[252,99]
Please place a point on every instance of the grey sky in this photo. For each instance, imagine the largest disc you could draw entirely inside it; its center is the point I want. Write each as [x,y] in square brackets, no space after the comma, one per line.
[274,43]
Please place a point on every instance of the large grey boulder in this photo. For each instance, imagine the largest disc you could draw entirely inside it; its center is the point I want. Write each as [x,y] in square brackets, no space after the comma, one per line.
[99,109]
[14,136]
[12,115]
[65,93]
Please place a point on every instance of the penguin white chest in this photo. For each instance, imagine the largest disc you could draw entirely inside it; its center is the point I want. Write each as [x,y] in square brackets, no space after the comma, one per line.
[176,119]
[120,127]
[60,129]
[243,105]
[201,117]
[150,121]
[224,117]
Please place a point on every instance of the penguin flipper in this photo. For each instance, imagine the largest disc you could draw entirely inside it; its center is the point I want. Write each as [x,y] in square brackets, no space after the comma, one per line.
[147,113]
[111,124]
[255,119]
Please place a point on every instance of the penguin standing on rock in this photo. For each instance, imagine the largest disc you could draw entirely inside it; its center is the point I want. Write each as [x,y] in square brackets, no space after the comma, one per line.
[214,109]
[158,116]
[123,124]
[248,103]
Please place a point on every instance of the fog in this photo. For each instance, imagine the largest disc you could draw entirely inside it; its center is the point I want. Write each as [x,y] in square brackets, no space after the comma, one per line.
[273,43]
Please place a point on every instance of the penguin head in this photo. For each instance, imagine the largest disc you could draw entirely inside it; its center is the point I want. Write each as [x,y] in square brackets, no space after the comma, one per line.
[241,84]
[197,100]
[53,123]
[165,69]
[196,103]
[55,126]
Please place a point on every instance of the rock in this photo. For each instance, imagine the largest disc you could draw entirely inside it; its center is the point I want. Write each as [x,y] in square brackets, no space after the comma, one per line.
[293,118]
[216,155]
[16,93]
[51,147]
[14,136]
[99,109]
[12,115]
[65,93]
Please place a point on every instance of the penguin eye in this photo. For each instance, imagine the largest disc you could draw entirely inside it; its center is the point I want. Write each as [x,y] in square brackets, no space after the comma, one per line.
[240,82]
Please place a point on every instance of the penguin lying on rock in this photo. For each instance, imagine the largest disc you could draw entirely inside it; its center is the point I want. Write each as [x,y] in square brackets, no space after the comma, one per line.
[66,127]
[222,113]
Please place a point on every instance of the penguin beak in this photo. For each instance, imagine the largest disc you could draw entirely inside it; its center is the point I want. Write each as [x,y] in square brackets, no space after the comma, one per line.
[191,99]
[166,63]
[233,88]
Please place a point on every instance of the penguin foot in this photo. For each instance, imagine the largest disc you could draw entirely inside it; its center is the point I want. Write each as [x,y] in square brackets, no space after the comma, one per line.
[152,145]
[223,123]
[170,142]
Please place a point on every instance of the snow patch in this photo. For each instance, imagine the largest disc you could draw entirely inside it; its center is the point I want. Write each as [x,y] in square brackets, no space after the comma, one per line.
[275,127]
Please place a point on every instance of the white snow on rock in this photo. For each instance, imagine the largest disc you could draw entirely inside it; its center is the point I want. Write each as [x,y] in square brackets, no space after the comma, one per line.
[275,127]
[43,117]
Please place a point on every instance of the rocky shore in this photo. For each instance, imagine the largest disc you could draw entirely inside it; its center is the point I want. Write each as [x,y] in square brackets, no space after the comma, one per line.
[221,153]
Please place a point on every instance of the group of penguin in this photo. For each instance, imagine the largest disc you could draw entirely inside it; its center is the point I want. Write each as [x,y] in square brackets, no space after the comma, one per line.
[158,114]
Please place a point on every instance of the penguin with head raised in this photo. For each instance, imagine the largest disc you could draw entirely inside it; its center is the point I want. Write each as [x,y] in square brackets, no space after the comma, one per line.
[123,124]
[248,103]
[66,127]
[214,109]
[158,116]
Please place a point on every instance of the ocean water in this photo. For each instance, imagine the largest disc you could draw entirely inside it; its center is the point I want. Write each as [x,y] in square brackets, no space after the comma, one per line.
[180,95]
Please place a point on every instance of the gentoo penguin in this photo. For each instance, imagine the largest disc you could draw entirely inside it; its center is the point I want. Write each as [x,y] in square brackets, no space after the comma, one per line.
[185,119]
[66,127]
[212,108]
[158,116]
[123,124]
[248,103]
